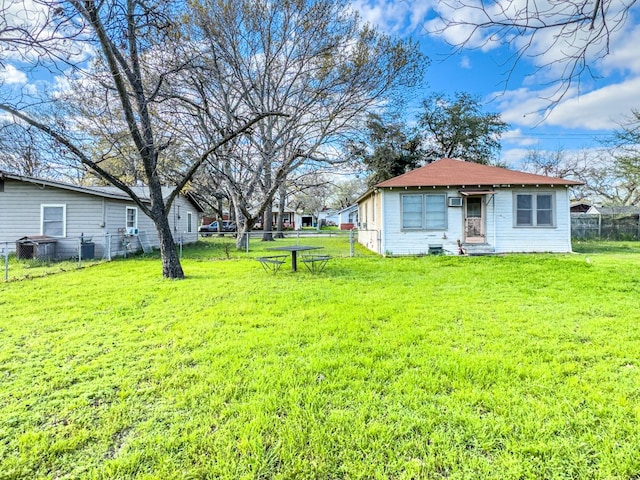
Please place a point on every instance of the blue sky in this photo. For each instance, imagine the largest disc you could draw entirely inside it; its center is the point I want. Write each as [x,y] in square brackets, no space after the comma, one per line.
[578,121]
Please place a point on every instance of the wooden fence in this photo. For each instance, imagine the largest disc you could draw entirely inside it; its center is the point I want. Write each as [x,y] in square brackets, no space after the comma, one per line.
[604,227]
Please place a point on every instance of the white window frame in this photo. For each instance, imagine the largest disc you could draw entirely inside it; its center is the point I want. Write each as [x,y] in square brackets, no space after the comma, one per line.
[126,217]
[443,204]
[64,219]
[423,212]
[189,222]
[534,210]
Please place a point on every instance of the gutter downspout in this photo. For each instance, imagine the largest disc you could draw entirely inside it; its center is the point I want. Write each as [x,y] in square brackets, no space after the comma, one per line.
[495,238]
[380,231]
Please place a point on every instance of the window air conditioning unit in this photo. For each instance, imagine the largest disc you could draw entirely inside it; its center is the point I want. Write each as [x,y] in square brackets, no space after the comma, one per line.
[132,231]
[455,201]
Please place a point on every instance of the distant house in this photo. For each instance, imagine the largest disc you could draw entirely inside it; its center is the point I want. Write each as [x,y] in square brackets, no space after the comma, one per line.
[328,217]
[348,217]
[290,218]
[620,211]
[580,207]
[453,206]
[34,207]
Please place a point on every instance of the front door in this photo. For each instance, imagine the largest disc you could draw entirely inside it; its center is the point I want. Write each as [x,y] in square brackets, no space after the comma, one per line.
[474,220]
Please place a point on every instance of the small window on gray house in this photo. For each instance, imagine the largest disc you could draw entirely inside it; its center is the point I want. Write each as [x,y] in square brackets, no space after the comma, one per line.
[1,185]
[189,222]
[53,220]
[132,217]
[436,212]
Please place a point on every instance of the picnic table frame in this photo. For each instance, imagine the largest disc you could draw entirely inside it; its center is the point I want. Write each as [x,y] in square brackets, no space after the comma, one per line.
[294,249]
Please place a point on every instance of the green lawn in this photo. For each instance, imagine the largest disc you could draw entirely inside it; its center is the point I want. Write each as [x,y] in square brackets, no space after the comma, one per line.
[502,367]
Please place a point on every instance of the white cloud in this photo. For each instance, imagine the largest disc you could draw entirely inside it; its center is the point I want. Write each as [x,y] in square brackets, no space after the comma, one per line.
[517,137]
[10,75]
[600,109]
[465,63]
[395,17]
[513,157]
[624,52]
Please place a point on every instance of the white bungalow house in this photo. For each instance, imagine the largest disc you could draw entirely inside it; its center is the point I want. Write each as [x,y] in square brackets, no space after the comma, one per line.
[34,207]
[463,207]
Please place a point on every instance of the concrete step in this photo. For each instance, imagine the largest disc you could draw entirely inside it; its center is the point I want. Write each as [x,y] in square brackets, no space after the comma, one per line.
[478,249]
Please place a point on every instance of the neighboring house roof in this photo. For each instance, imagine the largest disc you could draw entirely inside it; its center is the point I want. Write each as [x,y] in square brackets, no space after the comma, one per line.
[616,210]
[450,172]
[580,207]
[106,192]
[350,207]
[275,208]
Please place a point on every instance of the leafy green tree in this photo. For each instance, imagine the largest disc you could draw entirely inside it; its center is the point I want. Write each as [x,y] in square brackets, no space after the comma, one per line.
[389,149]
[458,128]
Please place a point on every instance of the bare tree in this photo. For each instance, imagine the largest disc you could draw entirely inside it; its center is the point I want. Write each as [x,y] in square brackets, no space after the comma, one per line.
[567,36]
[140,54]
[25,151]
[345,192]
[310,60]
[609,176]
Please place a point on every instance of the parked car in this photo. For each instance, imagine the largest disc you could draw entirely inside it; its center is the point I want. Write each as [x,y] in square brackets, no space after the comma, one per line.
[212,228]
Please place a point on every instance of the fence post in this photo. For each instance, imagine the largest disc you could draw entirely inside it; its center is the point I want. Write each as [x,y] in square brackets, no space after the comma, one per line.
[351,242]
[6,261]
[248,234]
[599,227]
[107,246]
[80,252]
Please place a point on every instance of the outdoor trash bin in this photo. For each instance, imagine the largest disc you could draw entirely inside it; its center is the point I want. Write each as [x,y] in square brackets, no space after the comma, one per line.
[88,250]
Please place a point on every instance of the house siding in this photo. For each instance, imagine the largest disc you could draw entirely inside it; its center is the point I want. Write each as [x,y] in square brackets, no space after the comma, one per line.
[397,241]
[533,239]
[20,214]
[101,219]
[369,221]
[500,230]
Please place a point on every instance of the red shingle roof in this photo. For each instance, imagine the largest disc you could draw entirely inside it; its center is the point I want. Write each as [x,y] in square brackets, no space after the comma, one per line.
[450,172]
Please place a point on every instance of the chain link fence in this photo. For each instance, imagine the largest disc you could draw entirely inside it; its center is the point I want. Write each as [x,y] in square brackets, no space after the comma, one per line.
[340,242]
[39,255]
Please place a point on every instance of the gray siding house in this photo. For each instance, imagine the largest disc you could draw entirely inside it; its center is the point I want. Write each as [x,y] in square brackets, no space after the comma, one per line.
[34,207]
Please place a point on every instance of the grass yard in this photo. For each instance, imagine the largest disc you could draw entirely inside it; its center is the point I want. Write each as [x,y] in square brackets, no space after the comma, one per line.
[505,367]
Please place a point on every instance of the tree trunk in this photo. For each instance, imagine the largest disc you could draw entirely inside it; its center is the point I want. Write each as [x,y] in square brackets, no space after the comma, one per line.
[267,235]
[282,195]
[171,267]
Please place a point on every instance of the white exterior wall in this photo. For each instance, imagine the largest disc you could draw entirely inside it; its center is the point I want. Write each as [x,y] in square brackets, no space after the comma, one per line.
[395,241]
[532,239]
[370,219]
[178,218]
[500,229]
